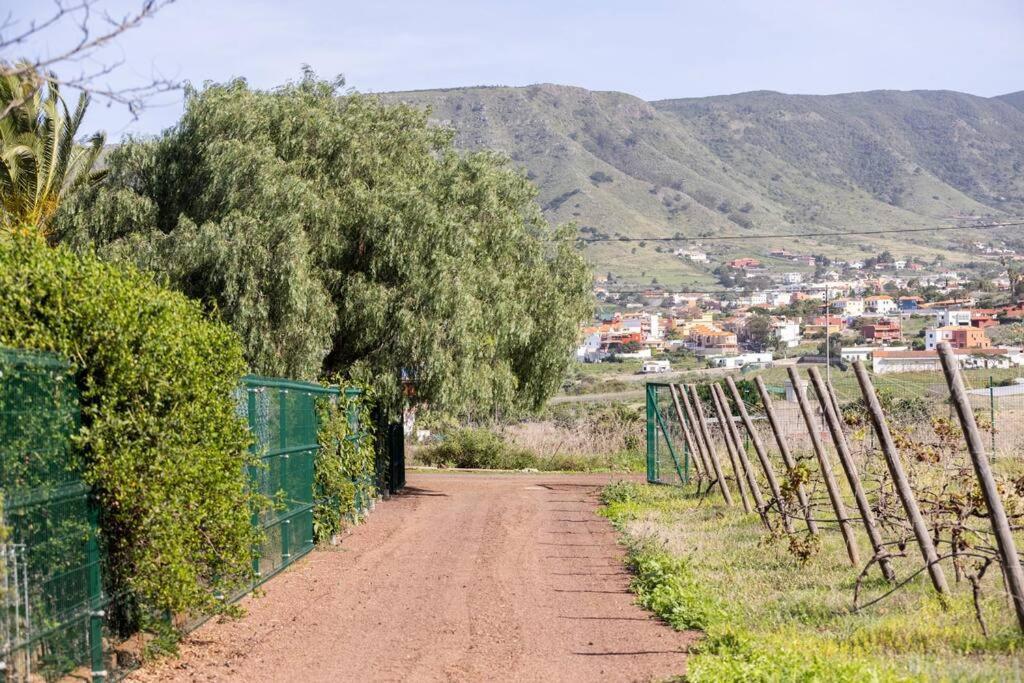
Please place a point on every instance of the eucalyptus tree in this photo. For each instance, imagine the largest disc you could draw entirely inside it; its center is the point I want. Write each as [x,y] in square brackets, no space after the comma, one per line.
[40,161]
[338,233]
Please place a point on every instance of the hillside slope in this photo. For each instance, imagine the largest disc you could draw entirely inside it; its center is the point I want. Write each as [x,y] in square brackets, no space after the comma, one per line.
[752,163]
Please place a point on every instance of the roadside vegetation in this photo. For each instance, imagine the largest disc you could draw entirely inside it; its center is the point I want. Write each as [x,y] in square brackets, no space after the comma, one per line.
[305,232]
[574,438]
[768,615]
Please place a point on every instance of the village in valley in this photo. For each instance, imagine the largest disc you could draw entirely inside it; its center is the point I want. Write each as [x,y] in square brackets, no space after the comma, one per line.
[888,312]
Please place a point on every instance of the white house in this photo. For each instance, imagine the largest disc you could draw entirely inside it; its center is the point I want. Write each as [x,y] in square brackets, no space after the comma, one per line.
[953,317]
[865,353]
[849,308]
[792,278]
[754,299]
[741,360]
[590,348]
[787,333]
[880,305]
[776,299]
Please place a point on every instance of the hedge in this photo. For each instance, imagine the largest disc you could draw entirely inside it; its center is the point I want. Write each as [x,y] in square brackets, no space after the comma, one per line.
[161,441]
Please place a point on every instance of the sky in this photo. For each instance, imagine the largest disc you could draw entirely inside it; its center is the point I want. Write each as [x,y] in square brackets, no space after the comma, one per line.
[654,50]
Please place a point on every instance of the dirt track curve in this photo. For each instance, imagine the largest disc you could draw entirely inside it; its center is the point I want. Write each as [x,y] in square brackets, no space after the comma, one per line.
[464,577]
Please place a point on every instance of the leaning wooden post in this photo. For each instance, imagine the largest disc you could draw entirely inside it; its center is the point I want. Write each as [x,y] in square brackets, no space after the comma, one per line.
[705,439]
[826,471]
[787,457]
[737,468]
[741,452]
[899,478]
[762,453]
[695,434]
[835,427]
[1000,525]
[695,455]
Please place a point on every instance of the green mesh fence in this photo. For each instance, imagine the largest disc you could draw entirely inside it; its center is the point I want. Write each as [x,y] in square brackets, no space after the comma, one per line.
[668,459]
[53,619]
[282,417]
[52,596]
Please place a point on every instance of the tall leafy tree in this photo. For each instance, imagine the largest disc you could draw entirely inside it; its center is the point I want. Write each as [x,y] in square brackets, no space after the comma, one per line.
[339,233]
[40,162]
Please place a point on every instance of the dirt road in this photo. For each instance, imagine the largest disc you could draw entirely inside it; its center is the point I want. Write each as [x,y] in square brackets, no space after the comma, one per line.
[464,577]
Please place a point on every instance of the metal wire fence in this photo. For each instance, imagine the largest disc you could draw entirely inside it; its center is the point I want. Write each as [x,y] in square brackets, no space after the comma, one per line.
[668,457]
[53,619]
[917,401]
[52,594]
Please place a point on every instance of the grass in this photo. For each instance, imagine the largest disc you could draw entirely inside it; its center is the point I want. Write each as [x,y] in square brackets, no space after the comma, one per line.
[765,617]
[478,448]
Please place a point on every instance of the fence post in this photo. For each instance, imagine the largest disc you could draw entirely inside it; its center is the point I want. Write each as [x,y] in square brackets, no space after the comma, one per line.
[652,460]
[730,448]
[787,457]
[1000,525]
[282,438]
[899,477]
[835,427]
[826,470]
[741,452]
[695,435]
[992,413]
[702,425]
[762,454]
[253,473]
[686,431]
[95,587]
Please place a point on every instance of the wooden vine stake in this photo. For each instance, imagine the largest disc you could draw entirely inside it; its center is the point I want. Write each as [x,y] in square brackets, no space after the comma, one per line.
[695,455]
[762,453]
[975,445]
[704,437]
[835,427]
[737,468]
[741,452]
[695,434]
[787,457]
[826,471]
[899,478]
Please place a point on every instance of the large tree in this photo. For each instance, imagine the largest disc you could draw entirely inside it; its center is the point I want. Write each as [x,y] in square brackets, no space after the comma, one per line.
[339,233]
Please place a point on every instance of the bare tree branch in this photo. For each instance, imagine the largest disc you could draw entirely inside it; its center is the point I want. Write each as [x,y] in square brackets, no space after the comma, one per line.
[97,30]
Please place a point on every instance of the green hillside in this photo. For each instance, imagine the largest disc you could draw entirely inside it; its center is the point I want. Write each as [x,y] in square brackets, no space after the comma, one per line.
[751,163]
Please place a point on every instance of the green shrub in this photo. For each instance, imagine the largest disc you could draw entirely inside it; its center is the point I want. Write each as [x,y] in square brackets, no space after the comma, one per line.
[160,438]
[477,448]
[345,461]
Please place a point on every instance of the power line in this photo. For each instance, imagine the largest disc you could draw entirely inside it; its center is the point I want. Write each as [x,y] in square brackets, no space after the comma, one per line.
[719,238]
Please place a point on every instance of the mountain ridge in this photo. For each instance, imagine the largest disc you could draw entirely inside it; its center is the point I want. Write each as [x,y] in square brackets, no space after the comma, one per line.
[756,163]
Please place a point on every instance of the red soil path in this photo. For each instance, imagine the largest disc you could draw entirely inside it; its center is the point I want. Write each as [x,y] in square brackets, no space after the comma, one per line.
[464,577]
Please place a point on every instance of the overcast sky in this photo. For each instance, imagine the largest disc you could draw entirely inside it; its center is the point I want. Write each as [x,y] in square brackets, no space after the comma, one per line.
[653,50]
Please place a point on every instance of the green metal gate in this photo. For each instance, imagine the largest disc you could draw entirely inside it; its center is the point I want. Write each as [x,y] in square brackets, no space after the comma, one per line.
[668,458]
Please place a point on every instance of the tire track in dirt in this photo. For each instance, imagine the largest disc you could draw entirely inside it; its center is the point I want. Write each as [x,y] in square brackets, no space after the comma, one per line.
[463,577]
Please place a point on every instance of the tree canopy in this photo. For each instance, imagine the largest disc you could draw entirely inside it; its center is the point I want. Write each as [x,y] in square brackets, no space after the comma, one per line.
[342,234]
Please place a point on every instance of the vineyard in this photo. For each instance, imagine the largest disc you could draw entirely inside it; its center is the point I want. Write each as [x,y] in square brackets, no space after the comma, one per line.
[899,497]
